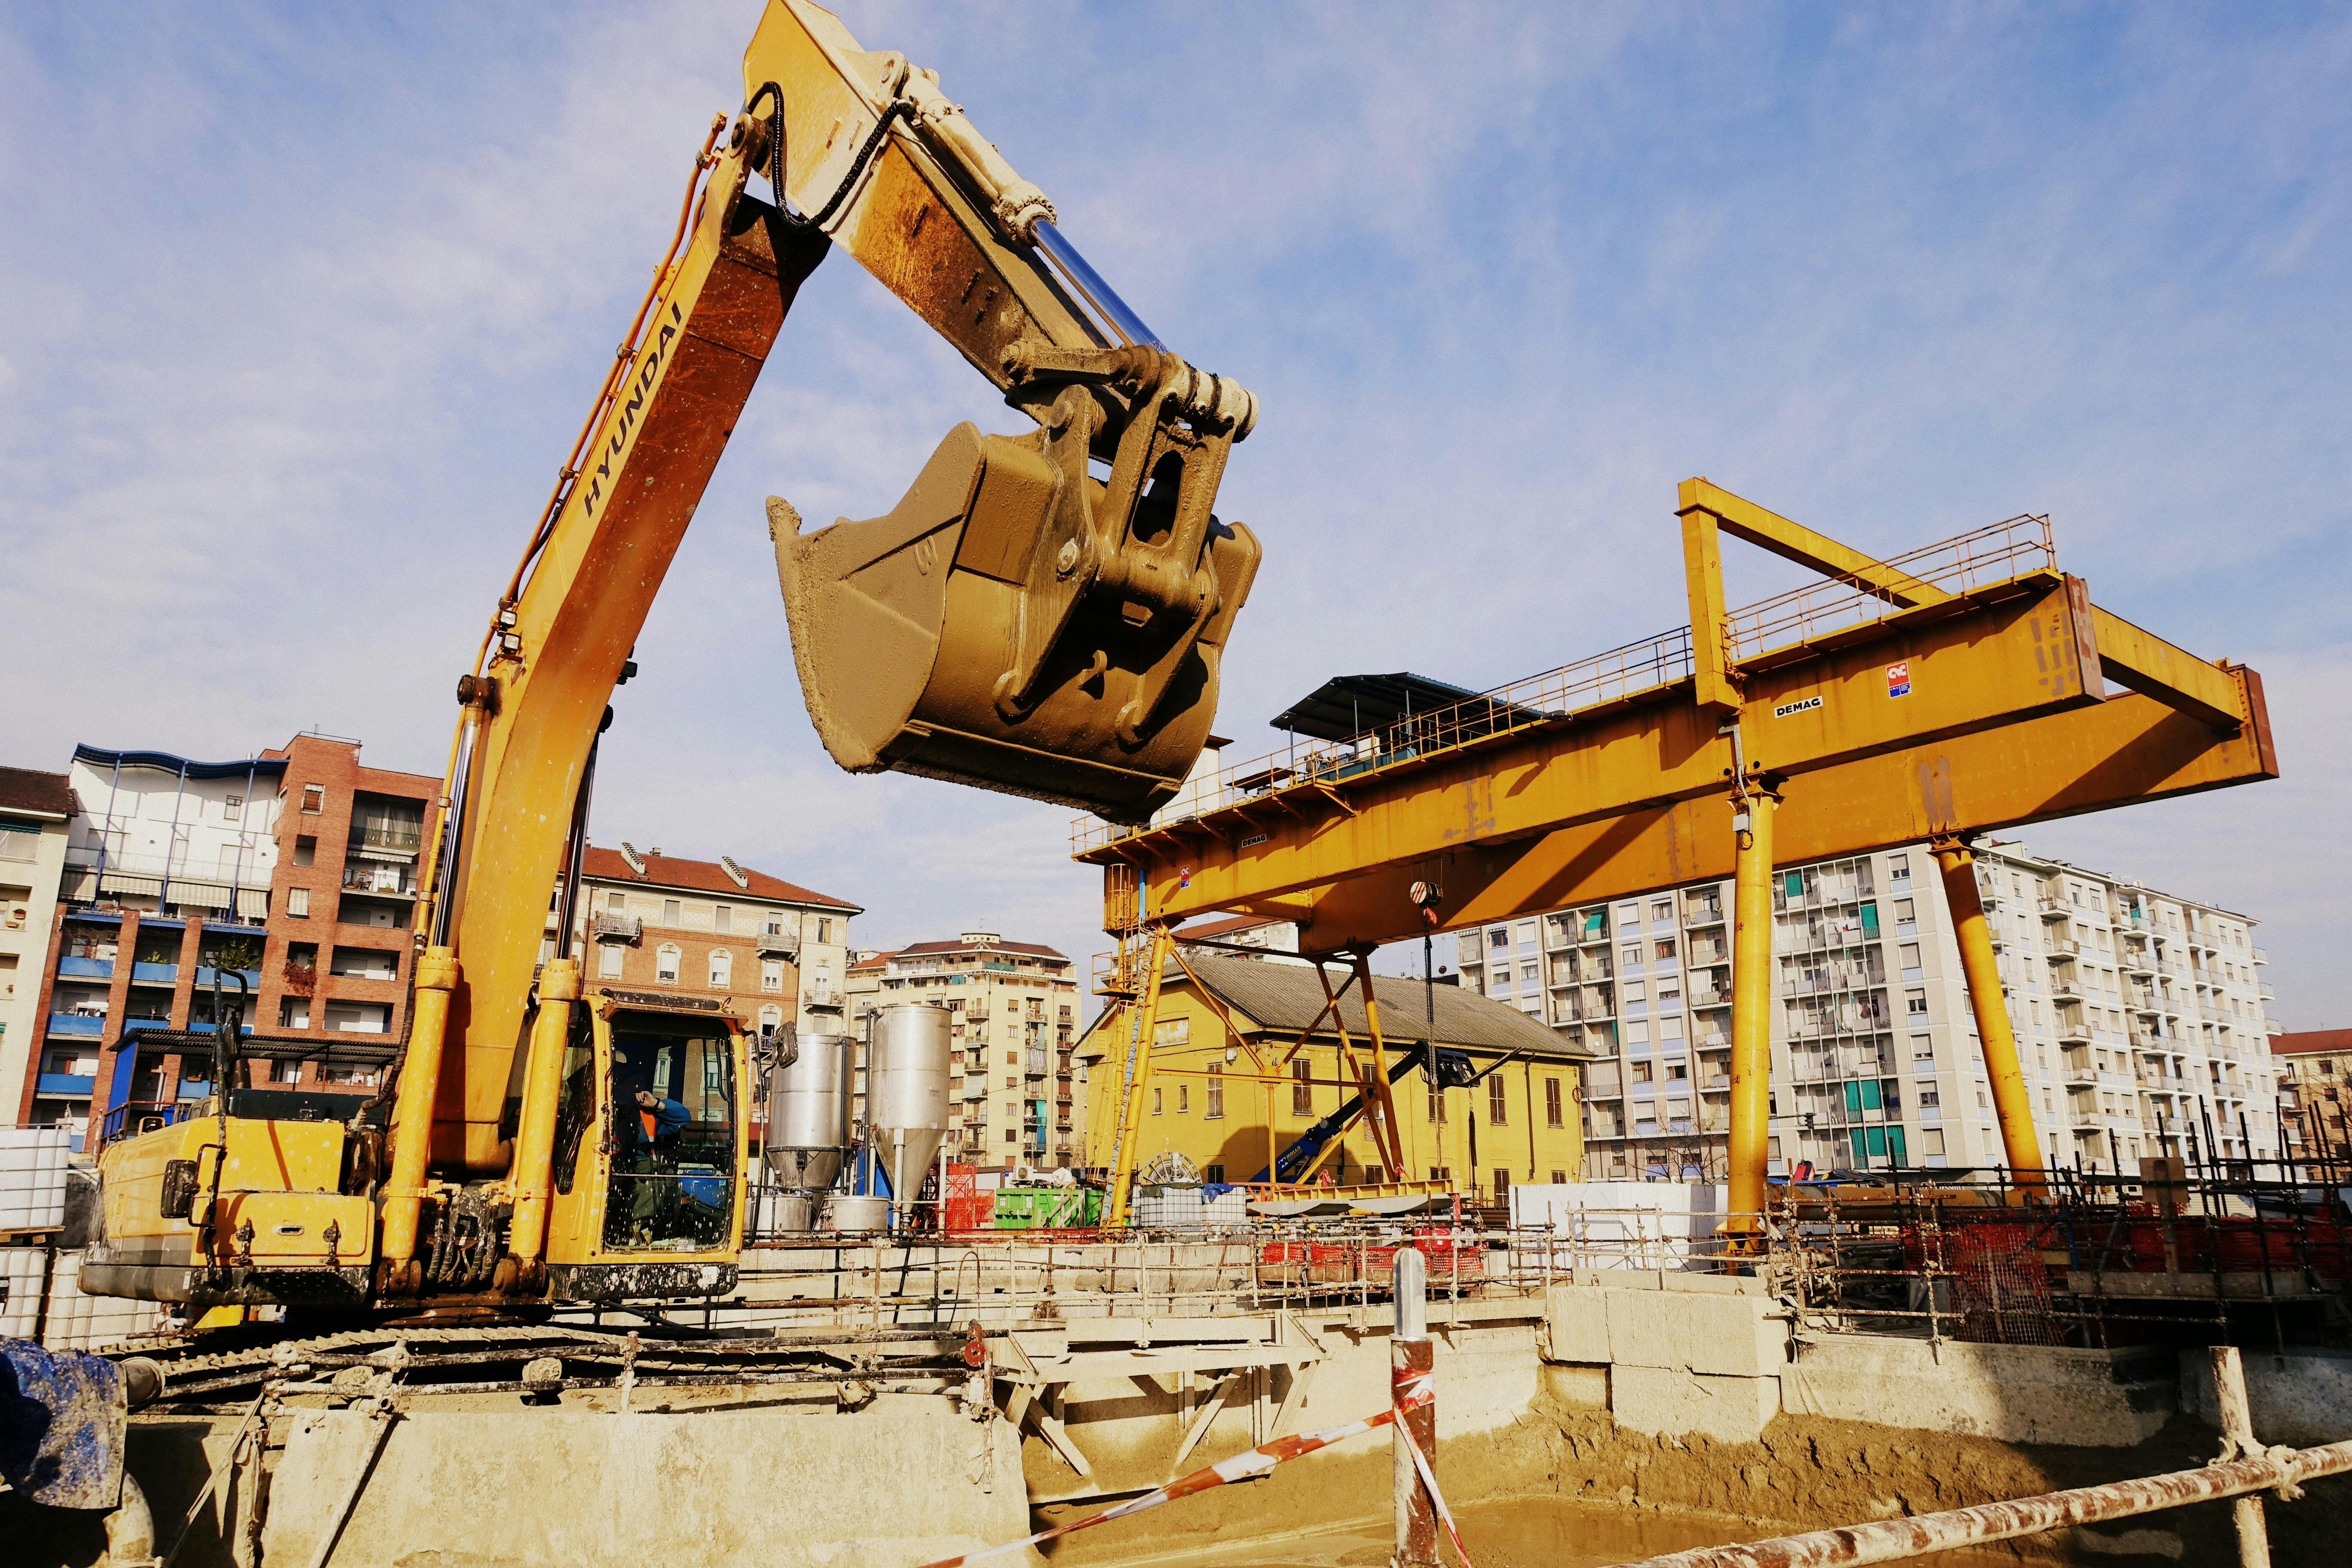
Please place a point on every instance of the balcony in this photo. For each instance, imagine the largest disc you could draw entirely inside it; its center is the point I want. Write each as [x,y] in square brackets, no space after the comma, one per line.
[605,925]
[64,1085]
[2062,947]
[775,945]
[71,968]
[2074,1034]
[90,1023]
[1703,915]
[154,974]
[2054,909]
[2266,992]
[2261,956]
[206,974]
[378,880]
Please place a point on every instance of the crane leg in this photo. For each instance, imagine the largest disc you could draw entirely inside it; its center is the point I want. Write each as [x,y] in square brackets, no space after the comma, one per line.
[2010,1100]
[1751,1017]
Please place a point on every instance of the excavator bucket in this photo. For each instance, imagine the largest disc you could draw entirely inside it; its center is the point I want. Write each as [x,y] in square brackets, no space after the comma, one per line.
[1011,624]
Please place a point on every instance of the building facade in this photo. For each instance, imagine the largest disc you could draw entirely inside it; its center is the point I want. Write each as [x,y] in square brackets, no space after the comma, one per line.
[37,811]
[2139,1017]
[1517,1122]
[1017,1093]
[775,952]
[1274,942]
[2315,1070]
[293,871]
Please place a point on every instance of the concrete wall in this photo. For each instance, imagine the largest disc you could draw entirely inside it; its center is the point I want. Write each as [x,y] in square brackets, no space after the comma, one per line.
[2015,1393]
[2302,1398]
[883,1487]
[1684,1353]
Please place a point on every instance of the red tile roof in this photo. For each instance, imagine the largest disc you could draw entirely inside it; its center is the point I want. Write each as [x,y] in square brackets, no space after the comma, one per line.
[1225,927]
[878,960]
[1026,949]
[30,789]
[2311,1042]
[703,877]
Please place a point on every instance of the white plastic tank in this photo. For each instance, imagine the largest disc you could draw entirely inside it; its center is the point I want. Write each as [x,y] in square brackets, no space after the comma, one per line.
[906,1091]
[808,1110]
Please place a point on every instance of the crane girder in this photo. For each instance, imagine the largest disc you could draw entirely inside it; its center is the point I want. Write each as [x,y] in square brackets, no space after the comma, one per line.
[1955,710]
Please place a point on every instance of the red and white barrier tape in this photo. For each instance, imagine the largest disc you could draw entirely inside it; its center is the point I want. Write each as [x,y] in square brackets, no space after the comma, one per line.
[1239,1468]
[1413,1388]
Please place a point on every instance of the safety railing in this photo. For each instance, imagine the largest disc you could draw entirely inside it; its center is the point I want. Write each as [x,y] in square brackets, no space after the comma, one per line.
[1979,559]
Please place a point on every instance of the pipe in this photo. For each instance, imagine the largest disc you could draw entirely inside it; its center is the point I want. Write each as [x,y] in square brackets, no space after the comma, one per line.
[1751,1013]
[1410,1356]
[1904,1539]
[411,1112]
[2010,1102]
[2236,1420]
[542,1086]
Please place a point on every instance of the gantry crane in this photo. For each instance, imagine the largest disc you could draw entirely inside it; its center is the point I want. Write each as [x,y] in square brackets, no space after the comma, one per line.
[1956,689]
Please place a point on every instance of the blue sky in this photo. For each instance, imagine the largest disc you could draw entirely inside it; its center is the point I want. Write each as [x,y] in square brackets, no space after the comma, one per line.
[304,305]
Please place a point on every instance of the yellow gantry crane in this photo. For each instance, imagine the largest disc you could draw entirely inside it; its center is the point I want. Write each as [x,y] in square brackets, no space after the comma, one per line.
[1959,689]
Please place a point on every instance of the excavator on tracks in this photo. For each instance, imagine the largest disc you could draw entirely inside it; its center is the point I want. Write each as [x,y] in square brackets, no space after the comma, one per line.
[1042,614]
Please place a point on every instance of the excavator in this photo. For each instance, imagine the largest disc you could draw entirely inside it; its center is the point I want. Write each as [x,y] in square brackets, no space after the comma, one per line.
[1042,614]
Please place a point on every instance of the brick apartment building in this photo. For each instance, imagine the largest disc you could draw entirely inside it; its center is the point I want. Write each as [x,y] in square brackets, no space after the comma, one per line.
[2315,1087]
[775,952]
[295,870]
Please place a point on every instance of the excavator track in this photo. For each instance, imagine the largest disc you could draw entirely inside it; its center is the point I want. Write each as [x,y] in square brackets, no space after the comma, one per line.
[493,1357]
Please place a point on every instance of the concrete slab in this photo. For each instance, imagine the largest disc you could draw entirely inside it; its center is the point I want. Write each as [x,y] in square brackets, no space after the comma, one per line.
[1674,1403]
[2016,1394]
[1719,1334]
[2302,1398]
[518,1490]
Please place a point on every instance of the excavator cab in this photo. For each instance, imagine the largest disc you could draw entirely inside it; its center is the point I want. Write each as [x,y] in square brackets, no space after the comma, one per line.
[1016,623]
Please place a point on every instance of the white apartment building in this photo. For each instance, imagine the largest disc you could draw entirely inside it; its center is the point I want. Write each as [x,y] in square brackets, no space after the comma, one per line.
[37,809]
[1020,1099]
[2139,1017]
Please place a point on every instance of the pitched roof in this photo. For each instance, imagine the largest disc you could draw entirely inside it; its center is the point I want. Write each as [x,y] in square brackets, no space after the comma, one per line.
[702,877]
[30,789]
[1225,927]
[1026,949]
[2311,1042]
[1288,996]
[878,960]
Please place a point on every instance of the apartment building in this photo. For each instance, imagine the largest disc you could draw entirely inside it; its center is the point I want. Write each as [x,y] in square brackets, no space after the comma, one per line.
[2315,1072]
[1269,940]
[1013,1005]
[293,870]
[2139,1017]
[37,809]
[777,952]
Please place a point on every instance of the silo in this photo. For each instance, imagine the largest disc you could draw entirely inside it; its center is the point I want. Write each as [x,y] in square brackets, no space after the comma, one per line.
[906,1092]
[809,1108]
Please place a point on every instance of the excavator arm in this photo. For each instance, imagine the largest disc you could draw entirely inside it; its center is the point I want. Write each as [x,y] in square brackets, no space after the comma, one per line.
[1016,623]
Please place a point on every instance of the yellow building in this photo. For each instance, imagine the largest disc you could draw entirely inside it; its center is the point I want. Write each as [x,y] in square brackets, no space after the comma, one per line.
[1517,1122]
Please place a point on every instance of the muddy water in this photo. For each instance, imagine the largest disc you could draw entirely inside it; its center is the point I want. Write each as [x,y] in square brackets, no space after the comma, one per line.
[1543,1532]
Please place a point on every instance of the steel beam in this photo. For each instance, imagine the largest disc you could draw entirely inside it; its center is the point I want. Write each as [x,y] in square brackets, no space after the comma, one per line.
[1767,530]
[2011,1101]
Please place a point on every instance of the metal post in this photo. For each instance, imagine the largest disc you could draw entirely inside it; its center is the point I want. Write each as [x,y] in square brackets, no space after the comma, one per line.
[412,1113]
[1751,1013]
[1410,1356]
[2011,1101]
[2235,1418]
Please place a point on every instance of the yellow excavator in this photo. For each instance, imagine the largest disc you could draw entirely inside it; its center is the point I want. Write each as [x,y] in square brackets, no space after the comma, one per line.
[1016,622]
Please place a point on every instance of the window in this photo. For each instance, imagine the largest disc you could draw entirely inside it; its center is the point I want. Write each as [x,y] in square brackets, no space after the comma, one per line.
[1497,1108]
[1633,955]
[233,808]
[617,901]
[1213,1175]
[1214,1098]
[722,968]
[772,976]
[722,916]
[298,903]
[1437,1106]
[1012,1135]
[608,961]
[669,913]
[1499,938]
[825,928]
[665,964]
[306,849]
[771,1017]
[1560,1178]
[1640,1072]
[1011,1059]
[1158,1095]
[1552,1109]
[1915,1003]
[1665,951]
[314,799]
[1183,1100]
[1302,1093]
[1662,910]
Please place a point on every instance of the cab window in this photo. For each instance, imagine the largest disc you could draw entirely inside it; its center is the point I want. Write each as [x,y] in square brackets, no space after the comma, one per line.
[672,1136]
